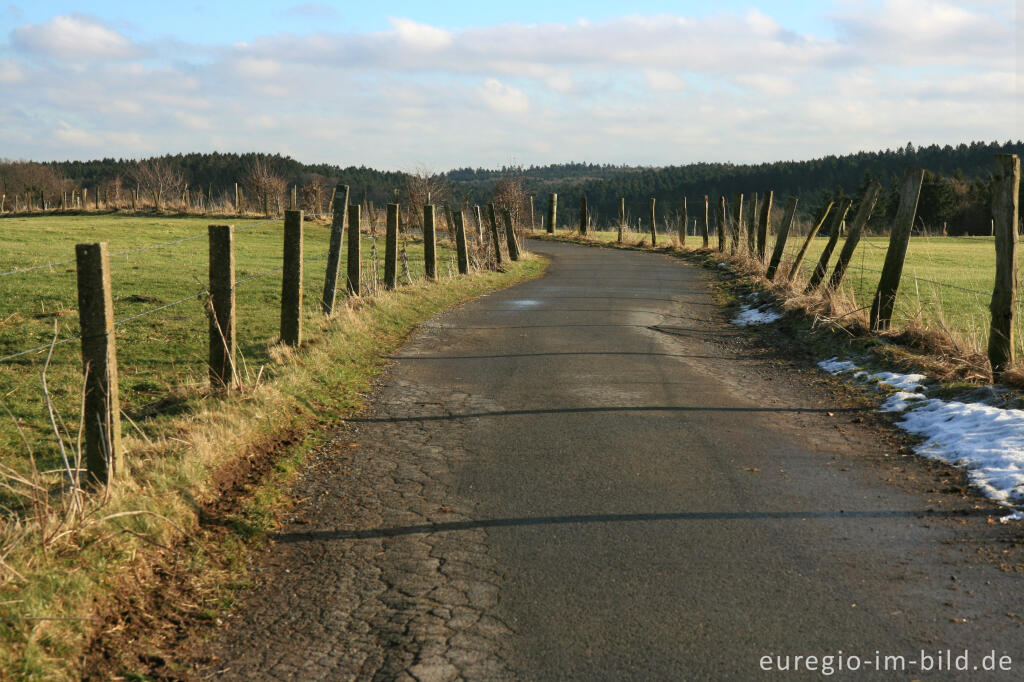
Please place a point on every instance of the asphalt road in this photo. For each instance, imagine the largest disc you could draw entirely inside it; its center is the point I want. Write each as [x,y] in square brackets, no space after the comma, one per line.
[646,495]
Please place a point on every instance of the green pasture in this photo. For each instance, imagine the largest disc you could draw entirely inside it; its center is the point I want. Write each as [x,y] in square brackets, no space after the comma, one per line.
[161,356]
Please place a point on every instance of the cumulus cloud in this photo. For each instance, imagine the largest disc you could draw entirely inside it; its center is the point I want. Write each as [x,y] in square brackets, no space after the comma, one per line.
[73,36]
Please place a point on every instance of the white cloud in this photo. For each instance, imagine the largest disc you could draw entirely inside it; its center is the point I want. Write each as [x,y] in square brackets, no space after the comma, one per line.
[73,37]
[660,80]
[504,98]
[11,72]
[421,36]
[777,86]
[75,136]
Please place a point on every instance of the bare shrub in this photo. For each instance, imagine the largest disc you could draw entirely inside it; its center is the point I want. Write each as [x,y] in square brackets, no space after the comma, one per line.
[264,185]
[160,179]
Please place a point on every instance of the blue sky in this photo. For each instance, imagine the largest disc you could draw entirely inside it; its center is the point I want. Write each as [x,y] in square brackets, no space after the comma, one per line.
[437,85]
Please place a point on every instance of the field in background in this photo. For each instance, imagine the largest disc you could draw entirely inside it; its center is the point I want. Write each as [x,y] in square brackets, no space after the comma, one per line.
[162,355]
[947,281]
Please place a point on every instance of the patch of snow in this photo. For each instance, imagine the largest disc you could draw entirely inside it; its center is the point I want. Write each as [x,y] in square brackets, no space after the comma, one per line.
[749,316]
[903,382]
[724,266]
[836,366]
[900,401]
[1015,516]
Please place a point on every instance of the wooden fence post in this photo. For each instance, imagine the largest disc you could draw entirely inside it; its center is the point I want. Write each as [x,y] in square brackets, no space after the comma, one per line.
[495,233]
[705,237]
[429,243]
[736,223]
[291,280]
[104,458]
[1005,212]
[339,208]
[533,222]
[795,267]
[684,218]
[622,218]
[510,235]
[899,238]
[780,240]
[721,223]
[583,215]
[763,223]
[750,220]
[552,212]
[353,273]
[238,203]
[295,197]
[461,248]
[833,238]
[391,248]
[867,205]
[221,308]
[654,224]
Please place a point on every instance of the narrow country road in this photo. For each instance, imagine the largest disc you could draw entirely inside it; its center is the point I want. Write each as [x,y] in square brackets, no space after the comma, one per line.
[594,476]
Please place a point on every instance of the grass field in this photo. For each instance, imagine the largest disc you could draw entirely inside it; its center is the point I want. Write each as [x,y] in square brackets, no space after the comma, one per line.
[161,356]
[947,281]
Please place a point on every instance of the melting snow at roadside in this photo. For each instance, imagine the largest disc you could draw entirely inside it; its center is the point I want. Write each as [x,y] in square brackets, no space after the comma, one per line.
[751,315]
[987,441]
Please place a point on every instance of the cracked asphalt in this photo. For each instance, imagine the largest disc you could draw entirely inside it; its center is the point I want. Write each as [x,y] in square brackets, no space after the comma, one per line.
[594,476]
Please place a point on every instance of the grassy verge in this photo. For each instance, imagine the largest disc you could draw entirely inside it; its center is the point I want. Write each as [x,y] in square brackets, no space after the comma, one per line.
[62,568]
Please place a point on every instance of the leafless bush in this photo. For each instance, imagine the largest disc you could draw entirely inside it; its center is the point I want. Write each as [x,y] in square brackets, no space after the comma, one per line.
[264,185]
[160,179]
[423,187]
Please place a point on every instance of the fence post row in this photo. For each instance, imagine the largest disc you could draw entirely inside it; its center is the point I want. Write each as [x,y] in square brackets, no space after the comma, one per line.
[833,238]
[780,240]
[899,237]
[461,248]
[763,225]
[104,457]
[867,205]
[1005,212]
[510,235]
[429,243]
[390,247]
[221,306]
[291,280]
[339,209]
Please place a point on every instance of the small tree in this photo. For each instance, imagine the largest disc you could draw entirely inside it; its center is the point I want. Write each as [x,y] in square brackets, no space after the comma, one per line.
[264,185]
[423,187]
[160,179]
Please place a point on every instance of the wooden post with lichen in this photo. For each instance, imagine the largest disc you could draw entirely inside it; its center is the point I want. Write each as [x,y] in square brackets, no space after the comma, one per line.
[867,205]
[798,261]
[584,218]
[780,239]
[221,306]
[899,238]
[763,225]
[721,223]
[654,224]
[429,242]
[833,238]
[510,235]
[101,413]
[533,223]
[736,223]
[683,220]
[291,280]
[353,271]
[461,248]
[552,212]
[1005,213]
[477,215]
[391,248]
[750,224]
[339,206]
[704,231]
[495,233]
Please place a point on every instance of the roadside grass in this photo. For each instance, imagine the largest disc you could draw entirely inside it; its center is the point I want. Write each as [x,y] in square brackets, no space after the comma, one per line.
[60,569]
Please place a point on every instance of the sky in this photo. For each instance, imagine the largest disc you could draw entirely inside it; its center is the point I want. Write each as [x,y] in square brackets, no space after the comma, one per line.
[432,86]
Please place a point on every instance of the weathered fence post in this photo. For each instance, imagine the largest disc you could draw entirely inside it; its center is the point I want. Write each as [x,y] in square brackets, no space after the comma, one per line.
[762,225]
[291,280]
[221,309]
[552,212]
[429,243]
[867,205]
[705,237]
[750,220]
[653,223]
[1005,212]
[495,233]
[295,197]
[461,248]
[238,202]
[533,223]
[737,221]
[391,248]
[354,247]
[339,206]
[510,235]
[684,218]
[899,238]
[104,458]
[622,218]
[583,215]
[780,240]
[833,238]
[477,215]
[795,267]
[721,223]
